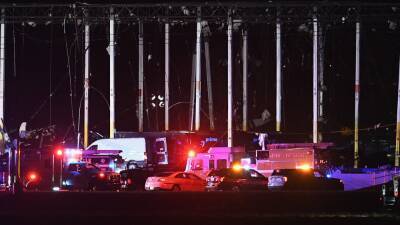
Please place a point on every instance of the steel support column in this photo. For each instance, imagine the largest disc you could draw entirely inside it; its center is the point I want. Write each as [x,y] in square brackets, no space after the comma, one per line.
[112,74]
[141,78]
[356,95]
[278,77]
[230,97]
[86,86]
[198,75]
[315,80]
[209,83]
[2,64]
[166,107]
[397,150]
[244,59]
[192,93]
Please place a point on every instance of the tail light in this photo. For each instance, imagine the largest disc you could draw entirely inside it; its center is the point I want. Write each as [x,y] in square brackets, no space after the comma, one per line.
[285,179]
[102,175]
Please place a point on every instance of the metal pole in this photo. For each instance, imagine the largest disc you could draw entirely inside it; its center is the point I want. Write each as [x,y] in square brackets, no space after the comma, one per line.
[315,80]
[192,93]
[166,76]
[52,170]
[244,55]
[112,75]
[86,86]
[209,84]
[61,170]
[2,63]
[357,95]
[230,98]
[397,151]
[278,77]
[198,75]
[140,110]
[321,54]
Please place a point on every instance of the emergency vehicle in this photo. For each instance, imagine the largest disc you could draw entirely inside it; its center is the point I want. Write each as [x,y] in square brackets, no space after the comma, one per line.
[276,156]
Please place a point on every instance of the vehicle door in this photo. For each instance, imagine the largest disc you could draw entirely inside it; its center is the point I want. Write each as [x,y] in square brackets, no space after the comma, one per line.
[257,181]
[321,182]
[240,178]
[183,181]
[197,184]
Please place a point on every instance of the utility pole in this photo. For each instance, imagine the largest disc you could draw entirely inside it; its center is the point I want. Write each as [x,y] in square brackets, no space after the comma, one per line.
[321,89]
[357,95]
[230,97]
[244,59]
[397,151]
[166,108]
[315,79]
[112,74]
[86,86]
[278,77]
[141,77]
[198,72]
[2,63]
[192,93]
[209,83]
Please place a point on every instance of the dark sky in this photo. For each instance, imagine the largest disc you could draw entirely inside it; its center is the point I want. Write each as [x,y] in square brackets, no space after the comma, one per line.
[41,49]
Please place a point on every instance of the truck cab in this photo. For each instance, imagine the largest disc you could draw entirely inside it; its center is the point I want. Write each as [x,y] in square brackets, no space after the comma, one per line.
[216,158]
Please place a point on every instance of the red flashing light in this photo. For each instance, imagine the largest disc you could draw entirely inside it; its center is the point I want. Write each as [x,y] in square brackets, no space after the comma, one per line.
[102,175]
[32,176]
[191,153]
[59,152]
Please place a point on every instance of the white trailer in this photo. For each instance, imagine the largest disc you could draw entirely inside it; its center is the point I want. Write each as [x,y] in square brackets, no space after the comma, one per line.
[132,148]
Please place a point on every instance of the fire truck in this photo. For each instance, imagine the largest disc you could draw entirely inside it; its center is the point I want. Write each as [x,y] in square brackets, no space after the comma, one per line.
[276,156]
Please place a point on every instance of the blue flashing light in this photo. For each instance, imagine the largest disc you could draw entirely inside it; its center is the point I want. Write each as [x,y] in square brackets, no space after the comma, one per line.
[328,176]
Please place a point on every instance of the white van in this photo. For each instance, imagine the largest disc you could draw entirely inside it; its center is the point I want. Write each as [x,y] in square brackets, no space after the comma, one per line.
[132,148]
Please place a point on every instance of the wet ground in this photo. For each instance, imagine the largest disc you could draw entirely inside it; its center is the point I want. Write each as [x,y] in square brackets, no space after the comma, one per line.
[231,208]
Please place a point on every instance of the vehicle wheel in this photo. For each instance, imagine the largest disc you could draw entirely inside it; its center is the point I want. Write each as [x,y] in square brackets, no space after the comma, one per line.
[176,188]
[235,188]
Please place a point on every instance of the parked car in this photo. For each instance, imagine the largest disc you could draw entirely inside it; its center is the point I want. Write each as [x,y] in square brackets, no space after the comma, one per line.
[134,176]
[236,179]
[302,179]
[175,181]
[86,176]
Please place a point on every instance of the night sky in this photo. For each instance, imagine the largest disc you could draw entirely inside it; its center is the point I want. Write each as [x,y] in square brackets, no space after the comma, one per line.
[40,55]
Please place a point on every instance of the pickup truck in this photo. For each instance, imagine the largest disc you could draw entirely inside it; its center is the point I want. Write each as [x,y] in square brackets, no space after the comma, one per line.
[86,176]
[134,176]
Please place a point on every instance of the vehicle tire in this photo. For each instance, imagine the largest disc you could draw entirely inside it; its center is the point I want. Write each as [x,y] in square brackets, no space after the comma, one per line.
[235,188]
[176,188]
